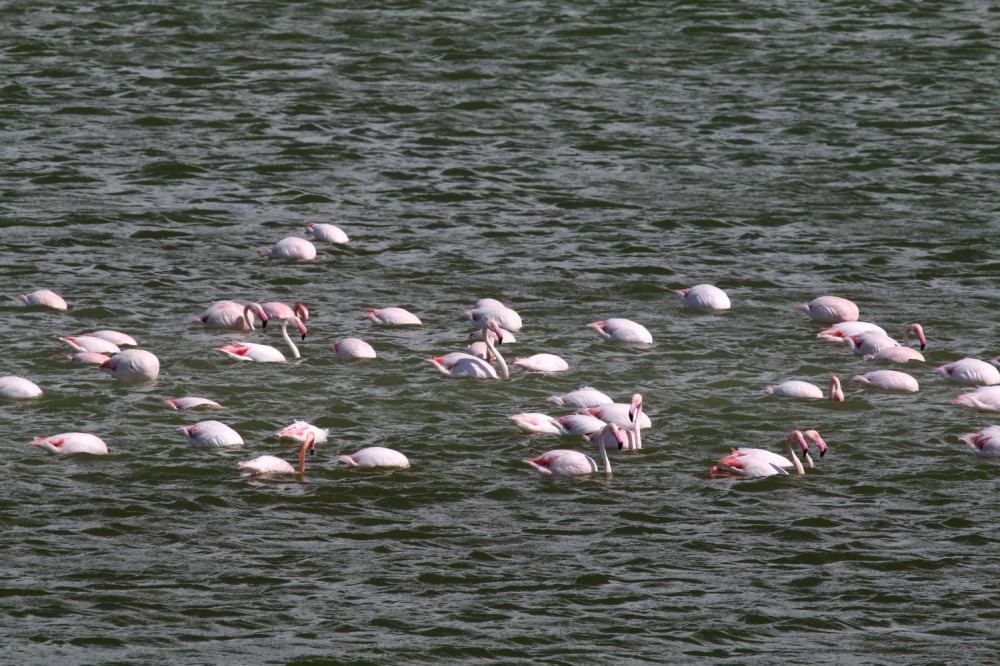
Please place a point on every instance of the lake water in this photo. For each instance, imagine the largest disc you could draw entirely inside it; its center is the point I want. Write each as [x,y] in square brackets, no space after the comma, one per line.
[577,161]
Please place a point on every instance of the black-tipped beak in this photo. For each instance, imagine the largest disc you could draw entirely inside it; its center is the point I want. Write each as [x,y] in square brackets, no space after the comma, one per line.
[303,336]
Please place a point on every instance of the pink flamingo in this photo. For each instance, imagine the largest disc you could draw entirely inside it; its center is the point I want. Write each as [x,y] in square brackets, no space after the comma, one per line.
[888,380]
[829,309]
[502,315]
[507,337]
[271,465]
[986,442]
[292,247]
[541,363]
[460,364]
[90,343]
[704,297]
[872,342]
[115,337]
[279,310]
[135,366]
[615,437]
[12,386]
[90,357]
[564,462]
[252,351]
[971,372]
[756,463]
[192,402]
[353,348]
[44,297]
[895,355]
[299,430]
[392,316]
[535,423]
[795,388]
[375,456]
[840,331]
[626,415]
[984,399]
[210,435]
[231,315]
[327,233]
[72,442]
[584,396]
[579,425]
[618,329]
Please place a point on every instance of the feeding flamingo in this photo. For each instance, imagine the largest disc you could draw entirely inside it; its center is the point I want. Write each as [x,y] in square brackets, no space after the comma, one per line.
[374,456]
[541,363]
[12,386]
[252,351]
[392,316]
[299,430]
[839,332]
[279,310]
[135,366]
[626,415]
[535,423]
[90,343]
[270,465]
[888,380]
[327,233]
[72,442]
[618,329]
[460,364]
[898,354]
[757,463]
[614,437]
[984,398]
[584,396]
[971,372]
[231,315]
[986,442]
[502,315]
[116,337]
[211,434]
[353,348]
[795,388]
[872,342]
[829,309]
[292,247]
[564,462]
[89,357]
[44,297]
[704,297]
[191,402]
[578,424]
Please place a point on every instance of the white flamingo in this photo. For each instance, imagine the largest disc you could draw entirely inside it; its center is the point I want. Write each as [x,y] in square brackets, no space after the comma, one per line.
[299,430]
[829,309]
[279,310]
[292,247]
[618,329]
[898,354]
[971,372]
[374,456]
[353,348]
[840,331]
[135,366]
[252,351]
[72,442]
[706,297]
[888,380]
[535,423]
[505,317]
[231,315]
[565,462]
[271,465]
[986,442]
[90,343]
[191,402]
[541,363]
[872,342]
[45,298]
[328,233]
[795,388]
[210,435]
[460,364]
[392,316]
[116,337]
[12,386]
[584,396]
[626,415]
[984,399]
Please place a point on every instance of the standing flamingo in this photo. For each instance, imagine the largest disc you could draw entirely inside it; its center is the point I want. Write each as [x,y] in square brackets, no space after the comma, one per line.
[564,462]
[210,435]
[618,329]
[251,351]
[971,372]
[757,463]
[829,309]
[986,442]
[18,387]
[270,465]
[795,388]
[353,348]
[327,233]
[584,396]
[72,442]
[888,380]
[392,316]
[135,366]
[44,297]
[984,398]
[706,297]
[231,315]
[292,247]
[191,402]
[374,456]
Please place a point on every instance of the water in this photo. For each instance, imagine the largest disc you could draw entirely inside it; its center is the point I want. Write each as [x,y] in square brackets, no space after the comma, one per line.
[577,161]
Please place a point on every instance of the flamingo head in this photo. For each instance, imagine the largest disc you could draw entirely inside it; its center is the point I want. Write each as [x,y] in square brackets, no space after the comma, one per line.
[802,307]
[817,440]
[836,393]
[494,327]
[258,310]
[682,293]
[620,435]
[310,225]
[635,407]
[302,327]
[310,442]
[918,331]
[301,311]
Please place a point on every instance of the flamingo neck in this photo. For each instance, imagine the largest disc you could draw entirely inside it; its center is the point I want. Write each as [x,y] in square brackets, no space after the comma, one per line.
[636,428]
[493,350]
[604,455]
[309,440]
[288,340]
[248,317]
[791,454]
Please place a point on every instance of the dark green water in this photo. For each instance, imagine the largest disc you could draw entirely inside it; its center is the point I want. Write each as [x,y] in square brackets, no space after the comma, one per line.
[578,161]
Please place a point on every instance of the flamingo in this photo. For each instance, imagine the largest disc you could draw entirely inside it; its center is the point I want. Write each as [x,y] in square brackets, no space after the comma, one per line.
[72,442]
[564,462]
[460,364]
[135,366]
[613,436]
[507,337]
[704,297]
[971,372]
[756,463]
[782,461]
[995,361]
[291,247]
[299,430]
[535,423]
[490,303]
[278,310]
[829,309]
[479,350]
[896,355]
[12,386]
[839,332]
[251,351]
[626,415]
[116,337]
[541,363]
[392,316]
[579,425]
[327,233]
[90,357]
[984,399]
[231,315]
[374,456]
[795,388]
[270,465]
[210,435]
[618,329]
[584,396]
[888,380]
[90,343]
[502,315]
[44,297]
[872,342]
[192,402]
[353,348]
[986,442]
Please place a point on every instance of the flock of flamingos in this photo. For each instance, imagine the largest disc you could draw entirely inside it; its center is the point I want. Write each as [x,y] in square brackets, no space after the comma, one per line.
[597,421]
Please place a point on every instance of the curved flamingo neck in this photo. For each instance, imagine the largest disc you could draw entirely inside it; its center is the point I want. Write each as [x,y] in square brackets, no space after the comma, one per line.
[309,442]
[791,453]
[604,455]
[248,317]
[288,340]
[493,350]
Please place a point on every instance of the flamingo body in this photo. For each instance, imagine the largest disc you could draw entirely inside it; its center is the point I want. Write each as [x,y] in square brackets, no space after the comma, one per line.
[460,364]
[611,437]
[578,424]
[18,387]
[374,456]
[90,343]
[353,348]
[210,435]
[299,431]
[504,317]
[191,402]
[706,297]
[757,463]
[986,442]
[272,465]
[392,316]
[328,233]
[830,309]
[541,363]
[984,399]
[971,372]
[888,380]
[45,298]
[795,388]
[72,442]
[292,247]
[618,329]
[251,351]
[116,337]
[582,397]
[534,423]
[617,412]
[839,332]
[231,316]
[895,355]
[135,366]
[90,357]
